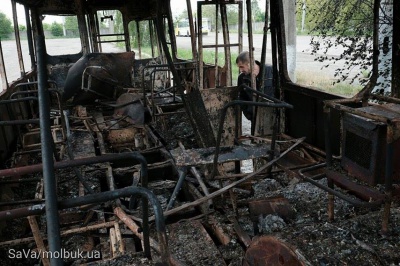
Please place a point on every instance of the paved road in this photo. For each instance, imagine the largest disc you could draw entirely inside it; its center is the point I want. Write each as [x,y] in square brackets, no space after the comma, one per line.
[304,60]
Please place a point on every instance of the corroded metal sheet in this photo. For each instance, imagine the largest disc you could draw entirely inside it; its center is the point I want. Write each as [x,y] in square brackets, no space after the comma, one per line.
[214,100]
[268,250]
[227,154]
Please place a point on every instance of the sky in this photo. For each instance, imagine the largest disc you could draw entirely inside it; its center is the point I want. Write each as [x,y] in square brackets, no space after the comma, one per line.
[6,8]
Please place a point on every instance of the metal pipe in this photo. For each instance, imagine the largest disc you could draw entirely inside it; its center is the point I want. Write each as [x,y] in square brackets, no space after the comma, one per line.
[388,186]
[178,186]
[328,148]
[17,38]
[99,198]
[29,36]
[50,190]
[3,73]
[350,200]
[36,168]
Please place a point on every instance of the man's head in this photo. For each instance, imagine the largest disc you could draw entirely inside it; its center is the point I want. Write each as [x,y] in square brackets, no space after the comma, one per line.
[243,62]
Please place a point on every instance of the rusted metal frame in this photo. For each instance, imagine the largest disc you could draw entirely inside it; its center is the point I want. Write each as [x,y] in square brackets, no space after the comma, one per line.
[164,67]
[388,180]
[25,180]
[182,175]
[125,25]
[79,230]
[196,174]
[71,155]
[128,221]
[289,170]
[110,41]
[251,47]
[231,185]
[116,235]
[96,36]
[53,227]
[99,198]
[385,98]
[30,121]
[151,31]
[361,113]
[262,64]
[252,61]
[20,202]
[171,32]
[396,51]
[307,146]
[16,93]
[391,135]
[274,104]
[83,31]
[89,81]
[38,239]
[112,34]
[29,36]
[36,168]
[35,228]
[279,63]
[216,44]
[50,90]
[138,39]
[193,103]
[152,74]
[19,122]
[17,38]
[93,29]
[332,191]
[225,32]
[91,160]
[193,32]
[220,45]
[11,116]
[3,73]
[279,39]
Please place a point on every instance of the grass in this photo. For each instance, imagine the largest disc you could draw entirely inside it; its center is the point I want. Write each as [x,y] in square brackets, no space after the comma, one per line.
[324,83]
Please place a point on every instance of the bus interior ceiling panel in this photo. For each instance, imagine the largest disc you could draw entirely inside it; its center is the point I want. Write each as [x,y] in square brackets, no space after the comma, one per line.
[126,136]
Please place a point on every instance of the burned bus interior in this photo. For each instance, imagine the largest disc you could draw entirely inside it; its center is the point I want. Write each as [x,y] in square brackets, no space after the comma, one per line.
[138,156]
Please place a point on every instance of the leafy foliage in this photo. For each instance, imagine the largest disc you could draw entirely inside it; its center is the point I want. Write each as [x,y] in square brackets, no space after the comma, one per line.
[5,26]
[346,25]
[56,29]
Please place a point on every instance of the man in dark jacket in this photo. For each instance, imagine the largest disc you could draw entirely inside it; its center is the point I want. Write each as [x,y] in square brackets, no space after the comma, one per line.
[243,62]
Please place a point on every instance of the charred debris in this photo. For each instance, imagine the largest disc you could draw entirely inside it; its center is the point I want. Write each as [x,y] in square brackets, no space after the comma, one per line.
[118,159]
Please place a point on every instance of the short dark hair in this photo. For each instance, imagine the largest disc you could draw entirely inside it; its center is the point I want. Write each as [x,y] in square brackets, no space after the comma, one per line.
[243,57]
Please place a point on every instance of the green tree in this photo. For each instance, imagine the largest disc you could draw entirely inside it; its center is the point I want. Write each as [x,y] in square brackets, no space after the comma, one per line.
[342,23]
[46,26]
[21,27]
[56,29]
[5,26]
[258,15]
[71,25]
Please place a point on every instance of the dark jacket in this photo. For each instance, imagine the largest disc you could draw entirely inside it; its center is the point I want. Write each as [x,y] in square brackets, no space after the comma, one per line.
[248,96]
